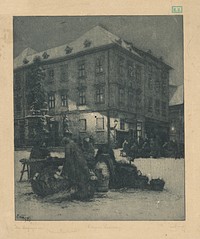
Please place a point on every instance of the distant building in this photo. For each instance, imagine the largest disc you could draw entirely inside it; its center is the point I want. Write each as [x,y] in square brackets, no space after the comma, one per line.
[106,87]
[176,114]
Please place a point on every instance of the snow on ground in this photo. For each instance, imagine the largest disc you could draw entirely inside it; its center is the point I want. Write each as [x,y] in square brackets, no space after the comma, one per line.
[124,204]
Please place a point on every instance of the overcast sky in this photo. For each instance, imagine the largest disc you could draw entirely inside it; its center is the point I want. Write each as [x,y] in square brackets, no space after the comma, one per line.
[162,34]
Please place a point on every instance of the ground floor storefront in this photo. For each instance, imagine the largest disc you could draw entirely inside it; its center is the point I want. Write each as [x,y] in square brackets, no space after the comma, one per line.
[157,129]
[103,127]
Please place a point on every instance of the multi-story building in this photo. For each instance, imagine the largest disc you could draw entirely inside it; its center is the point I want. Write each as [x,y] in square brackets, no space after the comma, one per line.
[106,87]
[176,114]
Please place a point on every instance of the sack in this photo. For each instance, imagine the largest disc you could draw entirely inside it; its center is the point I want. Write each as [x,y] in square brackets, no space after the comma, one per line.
[157,184]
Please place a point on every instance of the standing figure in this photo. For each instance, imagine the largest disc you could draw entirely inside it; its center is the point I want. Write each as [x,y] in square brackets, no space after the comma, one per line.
[146,148]
[153,148]
[76,169]
[140,143]
[65,125]
[89,152]
[133,152]
[125,147]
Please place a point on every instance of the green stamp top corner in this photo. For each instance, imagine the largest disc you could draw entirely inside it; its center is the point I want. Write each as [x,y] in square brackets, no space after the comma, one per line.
[177,9]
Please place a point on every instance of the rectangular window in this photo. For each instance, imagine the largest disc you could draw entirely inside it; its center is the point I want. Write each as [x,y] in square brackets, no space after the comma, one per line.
[150,76]
[157,107]
[150,105]
[157,82]
[82,98]
[121,97]
[99,123]
[82,125]
[138,97]
[51,75]
[51,101]
[164,87]
[81,70]
[139,129]
[138,75]
[150,68]
[131,75]
[130,71]
[164,109]
[82,81]
[164,83]
[99,65]
[64,100]
[130,99]
[100,95]
[63,73]
[121,65]
[131,83]
[150,81]
[122,124]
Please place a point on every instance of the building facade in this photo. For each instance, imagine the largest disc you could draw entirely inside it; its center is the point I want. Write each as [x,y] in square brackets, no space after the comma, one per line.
[104,85]
[176,114]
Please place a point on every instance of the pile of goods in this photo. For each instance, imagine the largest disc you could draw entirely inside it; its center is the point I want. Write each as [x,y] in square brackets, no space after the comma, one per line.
[123,175]
[47,179]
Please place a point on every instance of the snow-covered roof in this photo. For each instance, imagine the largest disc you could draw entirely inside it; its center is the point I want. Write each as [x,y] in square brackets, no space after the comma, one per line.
[18,61]
[96,37]
[177,96]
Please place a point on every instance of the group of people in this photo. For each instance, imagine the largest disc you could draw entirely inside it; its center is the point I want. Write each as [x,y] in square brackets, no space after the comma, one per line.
[153,147]
[81,163]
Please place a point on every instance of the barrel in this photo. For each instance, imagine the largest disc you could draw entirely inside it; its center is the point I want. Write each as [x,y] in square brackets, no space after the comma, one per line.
[103,176]
[103,185]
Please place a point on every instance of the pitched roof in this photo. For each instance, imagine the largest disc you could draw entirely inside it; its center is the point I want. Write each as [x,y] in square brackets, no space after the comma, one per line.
[97,36]
[176,96]
[24,54]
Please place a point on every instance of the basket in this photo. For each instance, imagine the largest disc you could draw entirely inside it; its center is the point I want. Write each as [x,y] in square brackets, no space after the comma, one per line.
[157,184]
[141,182]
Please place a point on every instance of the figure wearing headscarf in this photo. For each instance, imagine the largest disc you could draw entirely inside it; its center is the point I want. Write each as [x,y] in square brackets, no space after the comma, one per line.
[76,169]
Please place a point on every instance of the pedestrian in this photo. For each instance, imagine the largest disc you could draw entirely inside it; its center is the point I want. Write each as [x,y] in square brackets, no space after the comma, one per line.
[175,148]
[133,151]
[165,149]
[140,143]
[76,169]
[89,152]
[125,147]
[153,148]
[146,147]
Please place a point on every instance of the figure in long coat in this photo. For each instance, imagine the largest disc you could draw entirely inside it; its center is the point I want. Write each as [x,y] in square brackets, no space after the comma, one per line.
[89,152]
[76,169]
